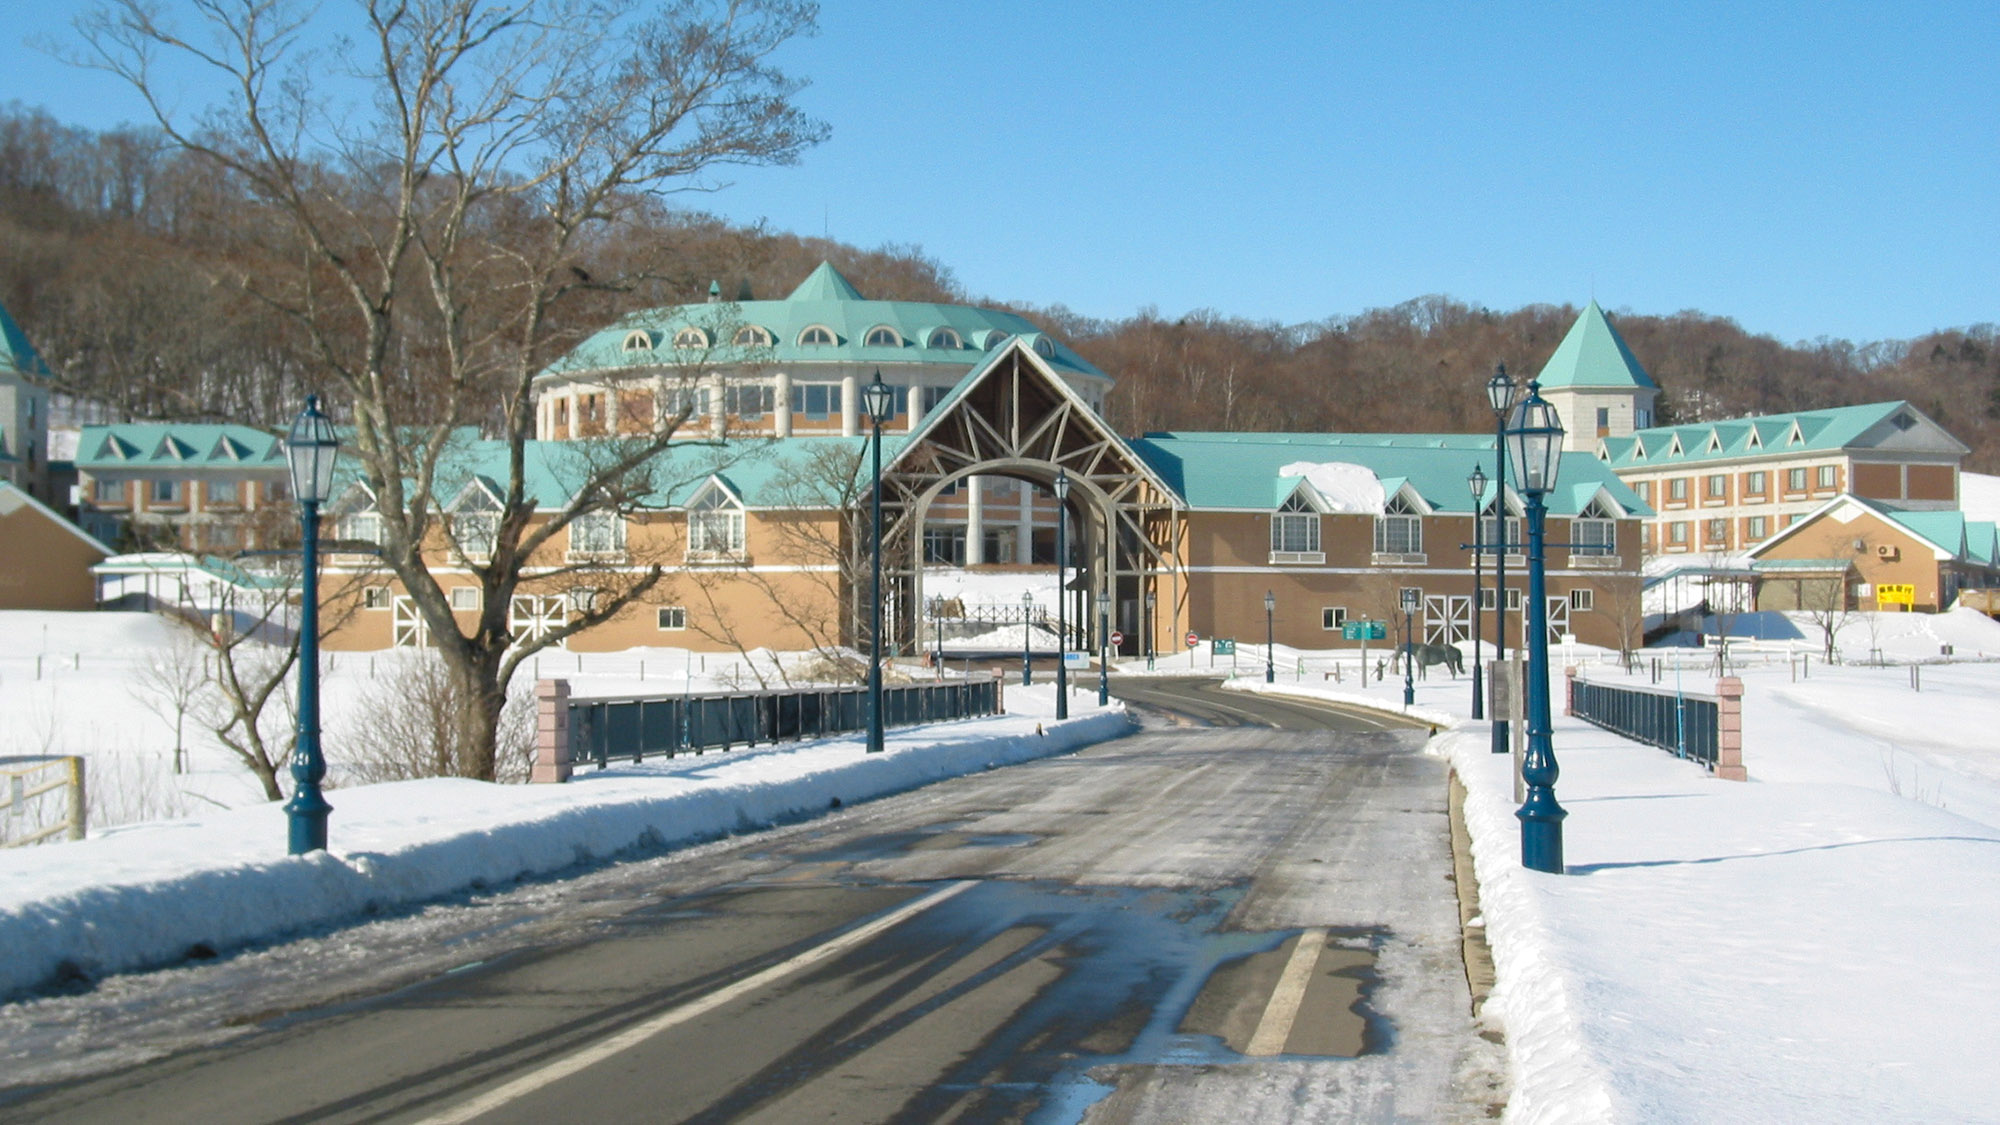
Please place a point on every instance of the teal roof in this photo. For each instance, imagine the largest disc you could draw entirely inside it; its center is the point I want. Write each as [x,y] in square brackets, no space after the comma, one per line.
[17,355]
[921,331]
[1240,470]
[151,445]
[1805,431]
[1943,530]
[1593,354]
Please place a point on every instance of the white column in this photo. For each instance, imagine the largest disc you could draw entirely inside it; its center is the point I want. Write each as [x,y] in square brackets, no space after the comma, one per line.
[575,419]
[1024,539]
[850,406]
[781,393]
[611,408]
[717,419]
[975,523]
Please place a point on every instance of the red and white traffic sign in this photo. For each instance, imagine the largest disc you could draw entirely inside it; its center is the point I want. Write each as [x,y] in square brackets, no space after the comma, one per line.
[1117,638]
[1193,638]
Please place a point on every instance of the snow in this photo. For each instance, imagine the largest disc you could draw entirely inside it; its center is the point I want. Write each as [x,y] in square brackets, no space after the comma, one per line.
[1815,944]
[1979,496]
[1346,487]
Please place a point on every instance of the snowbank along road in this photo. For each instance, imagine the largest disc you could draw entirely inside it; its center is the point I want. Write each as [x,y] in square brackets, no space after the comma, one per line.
[1244,912]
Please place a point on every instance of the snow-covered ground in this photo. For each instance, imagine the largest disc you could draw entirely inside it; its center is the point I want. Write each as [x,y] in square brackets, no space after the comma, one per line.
[1814,945]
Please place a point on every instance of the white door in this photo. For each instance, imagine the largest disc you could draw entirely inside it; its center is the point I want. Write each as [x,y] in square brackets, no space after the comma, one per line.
[1558,618]
[1447,619]
[531,617]
[407,625]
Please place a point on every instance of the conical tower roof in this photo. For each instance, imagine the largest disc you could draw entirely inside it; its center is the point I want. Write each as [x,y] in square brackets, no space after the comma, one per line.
[824,283]
[1594,355]
[17,355]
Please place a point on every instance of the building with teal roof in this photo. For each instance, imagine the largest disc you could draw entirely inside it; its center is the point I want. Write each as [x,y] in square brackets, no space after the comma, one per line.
[1596,384]
[207,488]
[24,412]
[1853,553]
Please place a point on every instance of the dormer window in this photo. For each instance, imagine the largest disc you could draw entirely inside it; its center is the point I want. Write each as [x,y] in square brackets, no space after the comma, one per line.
[946,338]
[818,335]
[882,336]
[1045,347]
[690,338]
[597,534]
[1295,527]
[1399,530]
[638,340]
[475,523]
[715,526]
[1594,532]
[752,336]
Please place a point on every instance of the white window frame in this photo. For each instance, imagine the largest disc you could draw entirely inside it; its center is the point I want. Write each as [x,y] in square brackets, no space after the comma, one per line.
[465,598]
[882,336]
[715,527]
[672,618]
[1582,599]
[753,336]
[1399,531]
[946,338]
[808,336]
[1332,617]
[1593,534]
[1295,532]
[691,337]
[597,535]
[1829,477]
[375,597]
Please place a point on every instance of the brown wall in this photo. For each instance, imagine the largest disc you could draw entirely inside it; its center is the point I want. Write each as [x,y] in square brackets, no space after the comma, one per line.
[1826,538]
[43,564]
[1933,482]
[1880,482]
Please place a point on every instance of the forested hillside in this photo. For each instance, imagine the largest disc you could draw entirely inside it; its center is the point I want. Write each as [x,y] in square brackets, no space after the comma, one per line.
[125,263]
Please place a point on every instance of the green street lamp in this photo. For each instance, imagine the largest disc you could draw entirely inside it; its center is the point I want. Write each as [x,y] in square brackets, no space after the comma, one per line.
[1535,438]
[312,449]
[1409,648]
[1477,484]
[1500,393]
[1062,596]
[1270,637]
[1027,612]
[1103,649]
[880,401]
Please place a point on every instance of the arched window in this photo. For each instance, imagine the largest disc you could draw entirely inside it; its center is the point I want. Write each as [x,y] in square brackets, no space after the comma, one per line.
[883,336]
[690,337]
[1045,347]
[1399,530]
[946,338]
[752,336]
[638,340]
[817,335]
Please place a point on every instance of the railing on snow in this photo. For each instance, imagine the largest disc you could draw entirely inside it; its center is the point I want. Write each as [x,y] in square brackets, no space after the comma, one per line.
[26,820]
[1706,727]
[635,728]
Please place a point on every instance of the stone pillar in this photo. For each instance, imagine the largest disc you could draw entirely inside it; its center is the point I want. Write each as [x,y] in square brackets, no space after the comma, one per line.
[552,761]
[850,406]
[1569,692]
[610,409]
[575,427]
[1024,538]
[975,521]
[718,417]
[1729,730]
[781,405]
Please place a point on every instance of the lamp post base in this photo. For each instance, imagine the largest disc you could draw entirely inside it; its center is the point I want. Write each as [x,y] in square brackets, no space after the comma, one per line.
[1541,834]
[306,814]
[1500,745]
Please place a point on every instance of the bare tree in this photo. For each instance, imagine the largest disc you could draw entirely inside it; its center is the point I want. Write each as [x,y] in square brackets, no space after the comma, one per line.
[1827,605]
[170,684]
[425,242]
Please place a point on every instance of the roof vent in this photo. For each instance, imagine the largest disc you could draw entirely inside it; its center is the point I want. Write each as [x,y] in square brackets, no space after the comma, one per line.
[714,292]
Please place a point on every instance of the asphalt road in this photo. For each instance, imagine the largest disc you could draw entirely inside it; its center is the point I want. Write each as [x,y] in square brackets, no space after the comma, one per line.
[1241,913]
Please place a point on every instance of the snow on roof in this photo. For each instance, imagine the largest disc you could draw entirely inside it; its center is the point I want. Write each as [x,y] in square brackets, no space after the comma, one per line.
[1343,485]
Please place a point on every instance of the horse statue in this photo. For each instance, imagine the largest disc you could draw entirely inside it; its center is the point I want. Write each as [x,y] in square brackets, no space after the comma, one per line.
[1426,655]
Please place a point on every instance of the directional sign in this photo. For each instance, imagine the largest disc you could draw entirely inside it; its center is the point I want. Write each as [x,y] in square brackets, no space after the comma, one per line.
[1193,639]
[1117,638]
[1220,647]
[1364,631]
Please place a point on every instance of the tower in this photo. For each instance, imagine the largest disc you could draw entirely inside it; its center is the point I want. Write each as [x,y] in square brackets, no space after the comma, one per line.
[1596,384]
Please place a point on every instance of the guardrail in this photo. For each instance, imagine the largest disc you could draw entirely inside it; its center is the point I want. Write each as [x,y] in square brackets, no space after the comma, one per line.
[638,727]
[1705,727]
[23,780]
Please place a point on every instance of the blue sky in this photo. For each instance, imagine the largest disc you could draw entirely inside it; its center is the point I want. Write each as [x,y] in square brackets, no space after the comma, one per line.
[1807,169]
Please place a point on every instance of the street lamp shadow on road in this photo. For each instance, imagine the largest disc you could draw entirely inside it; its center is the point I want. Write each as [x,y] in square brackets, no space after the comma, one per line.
[1535,439]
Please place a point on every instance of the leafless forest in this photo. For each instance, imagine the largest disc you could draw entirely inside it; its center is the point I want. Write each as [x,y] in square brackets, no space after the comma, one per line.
[123,260]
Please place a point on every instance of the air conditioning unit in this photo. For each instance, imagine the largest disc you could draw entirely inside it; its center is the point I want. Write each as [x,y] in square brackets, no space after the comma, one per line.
[1887,551]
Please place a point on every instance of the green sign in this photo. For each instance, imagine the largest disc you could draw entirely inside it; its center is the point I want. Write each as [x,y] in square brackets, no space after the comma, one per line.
[1364,630]
[1221,647]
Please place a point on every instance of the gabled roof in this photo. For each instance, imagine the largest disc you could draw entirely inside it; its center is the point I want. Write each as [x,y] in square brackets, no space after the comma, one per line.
[17,355]
[1772,435]
[1226,471]
[1943,531]
[136,445]
[825,299]
[1593,354]
[14,499]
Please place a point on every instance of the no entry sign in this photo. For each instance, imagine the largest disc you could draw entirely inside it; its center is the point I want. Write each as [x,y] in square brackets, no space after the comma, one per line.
[1117,638]
[1193,639]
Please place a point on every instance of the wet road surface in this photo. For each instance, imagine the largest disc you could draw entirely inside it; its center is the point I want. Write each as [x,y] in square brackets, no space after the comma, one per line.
[1243,912]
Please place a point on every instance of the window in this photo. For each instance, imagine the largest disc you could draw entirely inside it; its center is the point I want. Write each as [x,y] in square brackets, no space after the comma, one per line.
[686,397]
[465,597]
[375,597]
[1795,480]
[1645,490]
[223,492]
[224,538]
[1497,534]
[1754,528]
[944,546]
[1582,599]
[1399,530]
[1045,347]
[1594,533]
[946,338]
[748,400]
[1828,474]
[277,490]
[109,491]
[1677,489]
[582,599]
[883,336]
[1718,486]
[932,396]
[1903,421]
[751,336]
[597,533]
[166,492]
[715,525]
[476,530]
[1677,532]
[360,527]
[1295,528]
[1753,484]
[817,335]
[1718,531]
[816,401]
[1333,617]
[690,338]
[1603,418]
[638,340]
[673,617]
[1642,417]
